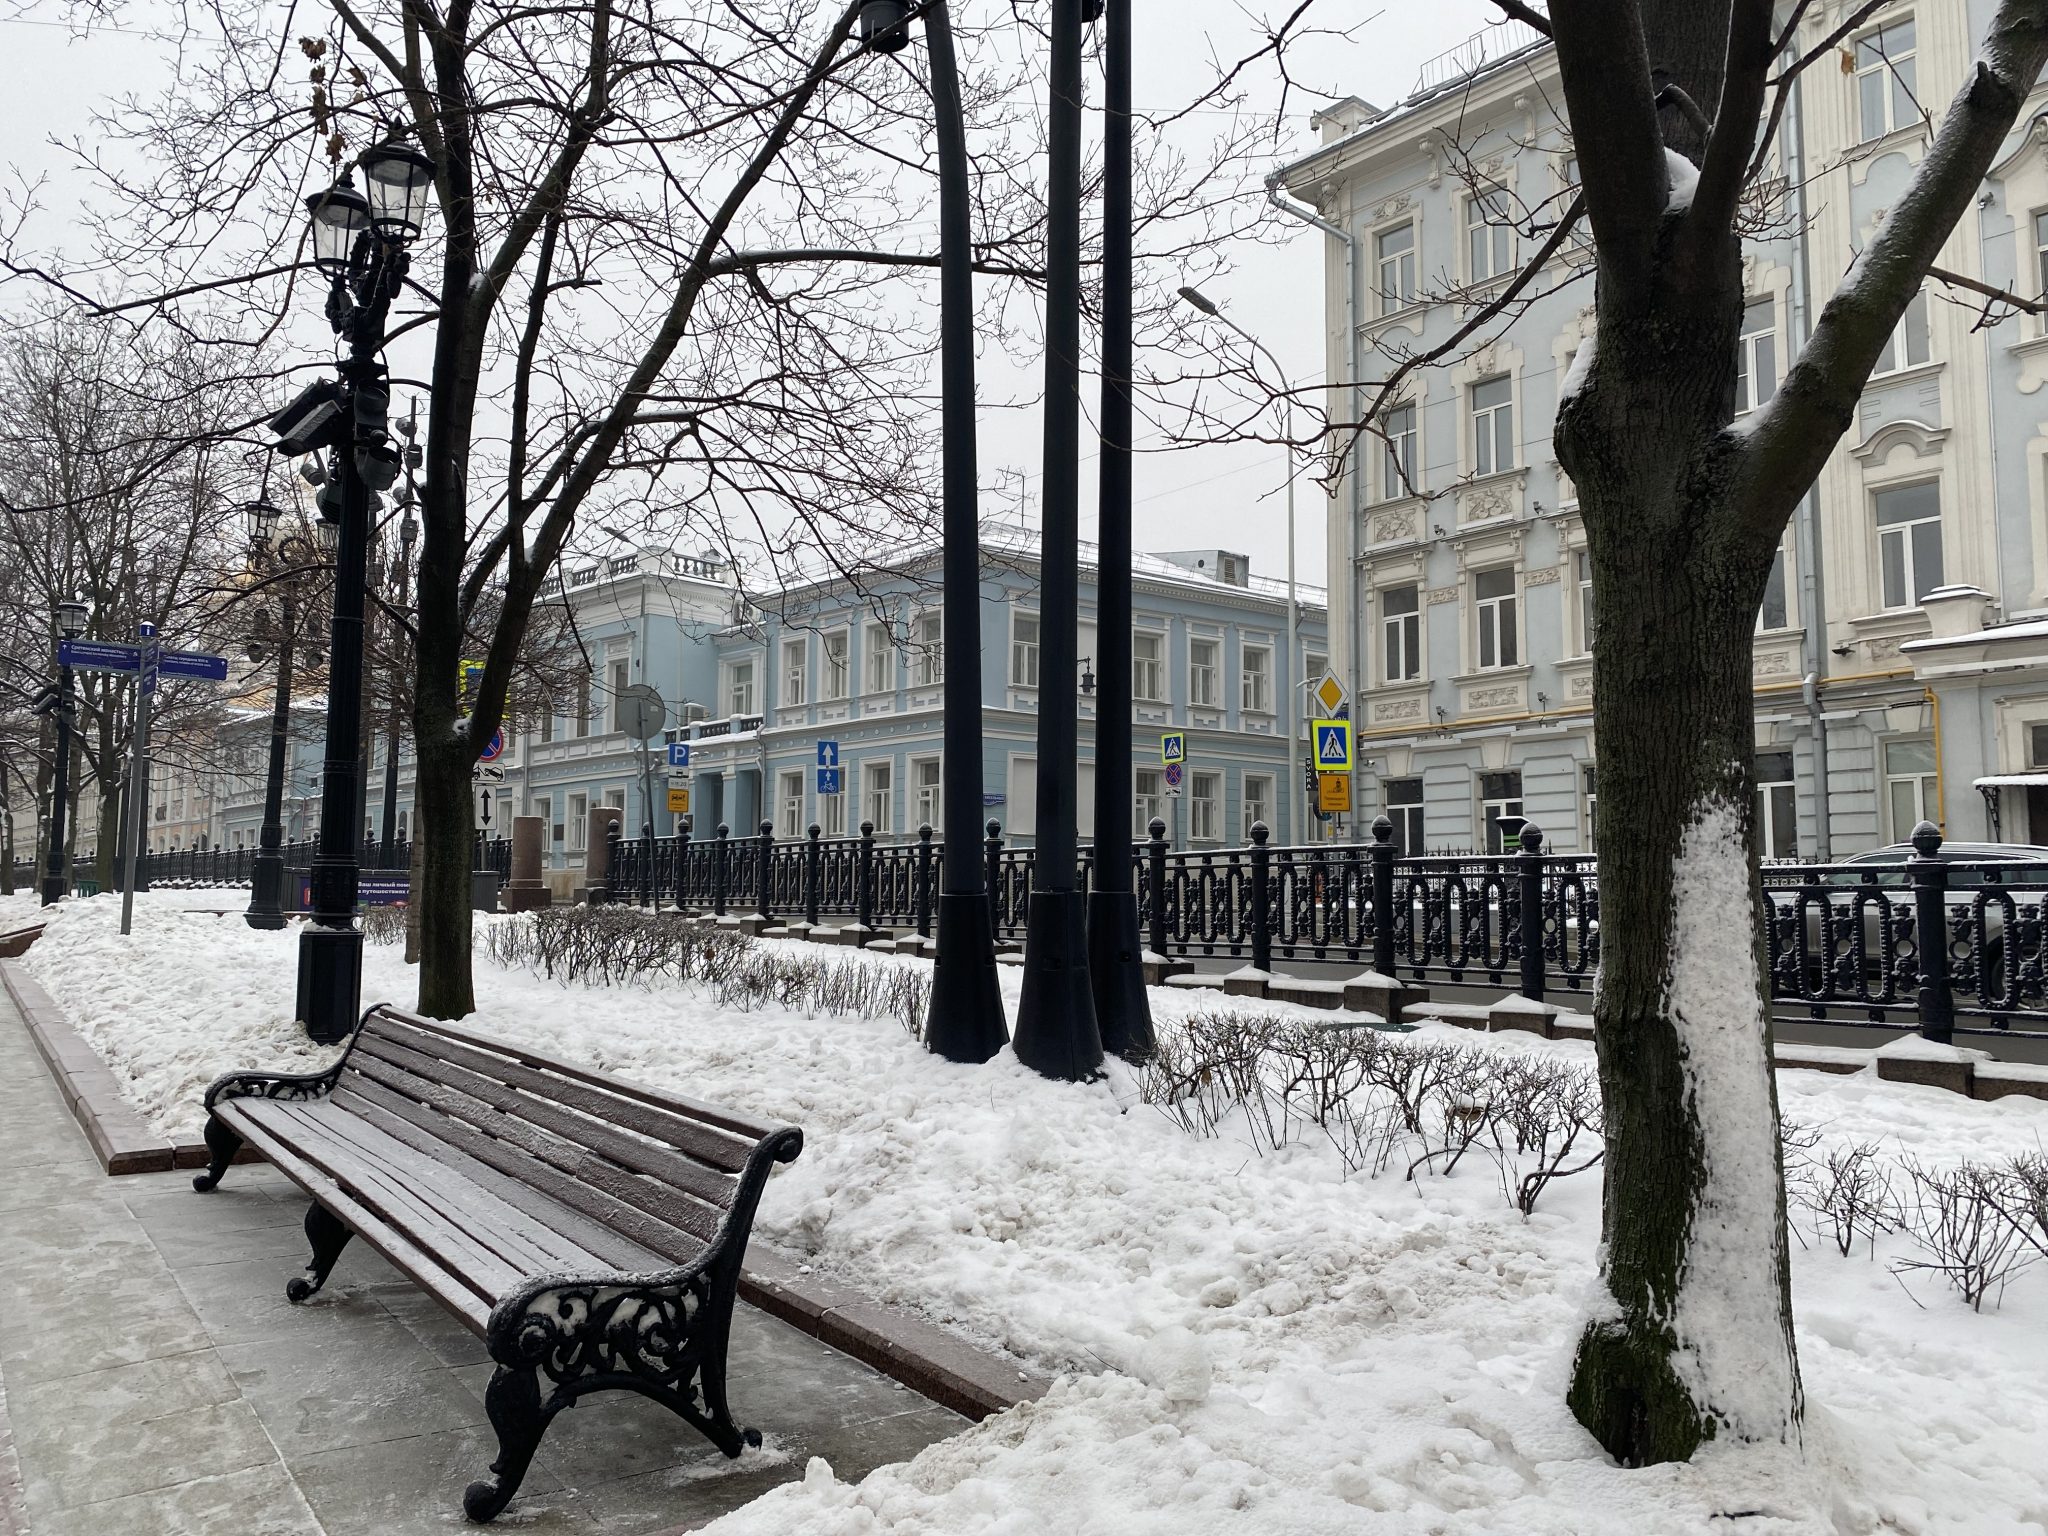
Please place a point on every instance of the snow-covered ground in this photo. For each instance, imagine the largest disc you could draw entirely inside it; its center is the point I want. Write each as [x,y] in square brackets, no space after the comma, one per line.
[1253,1342]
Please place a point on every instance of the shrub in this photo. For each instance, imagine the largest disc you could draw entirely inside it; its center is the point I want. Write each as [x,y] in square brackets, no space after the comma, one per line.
[614,946]
[1962,1220]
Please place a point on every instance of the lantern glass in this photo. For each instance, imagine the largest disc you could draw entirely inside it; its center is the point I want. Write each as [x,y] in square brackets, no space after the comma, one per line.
[328,533]
[71,617]
[400,180]
[263,521]
[338,215]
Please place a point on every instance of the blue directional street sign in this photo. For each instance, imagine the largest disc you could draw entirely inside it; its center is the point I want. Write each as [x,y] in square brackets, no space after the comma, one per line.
[100,655]
[193,664]
[679,754]
[828,781]
[828,755]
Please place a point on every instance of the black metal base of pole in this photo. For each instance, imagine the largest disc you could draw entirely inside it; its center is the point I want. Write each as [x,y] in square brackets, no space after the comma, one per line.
[1116,973]
[1056,1032]
[266,892]
[53,889]
[330,981]
[966,1021]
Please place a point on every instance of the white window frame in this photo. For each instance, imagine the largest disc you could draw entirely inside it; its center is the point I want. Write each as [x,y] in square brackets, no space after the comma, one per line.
[1911,591]
[1780,578]
[1255,684]
[1258,802]
[740,681]
[878,794]
[1148,672]
[1399,475]
[795,668]
[1756,355]
[1205,813]
[1585,611]
[1148,796]
[1489,244]
[928,642]
[879,658]
[1396,270]
[1497,618]
[1915,324]
[928,791]
[1777,808]
[1894,78]
[1406,815]
[618,674]
[832,813]
[1026,654]
[2038,222]
[1922,786]
[1490,455]
[1205,677]
[838,668]
[1401,636]
[578,819]
[1496,806]
[789,797]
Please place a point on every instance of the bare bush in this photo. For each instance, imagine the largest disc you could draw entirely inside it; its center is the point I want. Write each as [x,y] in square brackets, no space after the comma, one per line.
[1547,1109]
[855,987]
[1958,1218]
[1847,1194]
[384,925]
[614,946]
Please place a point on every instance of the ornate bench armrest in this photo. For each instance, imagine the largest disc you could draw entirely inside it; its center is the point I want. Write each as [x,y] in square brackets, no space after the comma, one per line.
[571,1327]
[293,1087]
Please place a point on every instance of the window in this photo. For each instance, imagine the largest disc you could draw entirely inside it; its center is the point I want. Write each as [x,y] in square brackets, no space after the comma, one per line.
[881,659]
[1404,810]
[1777,806]
[1884,81]
[1756,356]
[1500,797]
[837,671]
[2041,264]
[1148,796]
[1494,593]
[1205,661]
[1205,794]
[1024,650]
[928,634]
[1774,612]
[1910,785]
[1255,692]
[1489,236]
[579,823]
[878,794]
[1589,793]
[1401,633]
[543,807]
[618,681]
[1908,541]
[925,780]
[1396,248]
[2037,746]
[583,705]
[1397,463]
[1907,346]
[1148,666]
[547,722]
[739,688]
[792,673]
[790,806]
[1258,802]
[1582,569]
[1493,426]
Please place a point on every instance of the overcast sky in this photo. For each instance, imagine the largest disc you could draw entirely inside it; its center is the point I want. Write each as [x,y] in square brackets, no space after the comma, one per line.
[1227,496]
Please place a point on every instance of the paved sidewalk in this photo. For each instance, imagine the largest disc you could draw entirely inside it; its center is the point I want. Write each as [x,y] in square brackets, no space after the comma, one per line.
[156,1381]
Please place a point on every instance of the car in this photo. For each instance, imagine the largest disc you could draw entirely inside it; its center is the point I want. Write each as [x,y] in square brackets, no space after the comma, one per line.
[1824,896]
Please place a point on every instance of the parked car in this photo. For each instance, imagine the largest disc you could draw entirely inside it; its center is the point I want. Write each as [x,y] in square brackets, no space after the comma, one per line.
[1884,870]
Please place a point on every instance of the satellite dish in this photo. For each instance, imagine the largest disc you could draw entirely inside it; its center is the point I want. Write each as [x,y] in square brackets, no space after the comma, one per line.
[642,714]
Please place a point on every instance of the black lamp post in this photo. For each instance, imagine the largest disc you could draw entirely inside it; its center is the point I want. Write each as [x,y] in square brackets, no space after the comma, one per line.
[282,559]
[1115,952]
[71,621]
[1056,1029]
[360,242]
[966,1016]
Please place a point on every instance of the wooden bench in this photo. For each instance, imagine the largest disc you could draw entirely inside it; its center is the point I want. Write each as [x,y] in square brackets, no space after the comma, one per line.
[589,1230]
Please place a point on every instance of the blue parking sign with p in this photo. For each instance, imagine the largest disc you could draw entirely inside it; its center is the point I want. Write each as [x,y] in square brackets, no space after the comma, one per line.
[679,754]
[1333,745]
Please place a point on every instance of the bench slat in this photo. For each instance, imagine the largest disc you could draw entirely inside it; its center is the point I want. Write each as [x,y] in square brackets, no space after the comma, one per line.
[628,1151]
[516,1227]
[518,1178]
[462,1121]
[427,1273]
[415,1217]
[751,1127]
[706,1144]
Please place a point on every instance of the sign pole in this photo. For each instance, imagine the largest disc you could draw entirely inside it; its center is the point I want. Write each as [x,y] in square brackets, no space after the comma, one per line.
[138,771]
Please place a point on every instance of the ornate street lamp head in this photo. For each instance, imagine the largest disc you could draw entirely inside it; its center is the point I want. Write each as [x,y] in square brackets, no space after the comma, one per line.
[263,520]
[71,618]
[885,25]
[338,215]
[400,181]
[328,531]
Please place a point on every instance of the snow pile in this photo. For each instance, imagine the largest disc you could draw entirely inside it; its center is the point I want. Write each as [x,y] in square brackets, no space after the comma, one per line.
[1732,1350]
[1684,179]
[1260,1344]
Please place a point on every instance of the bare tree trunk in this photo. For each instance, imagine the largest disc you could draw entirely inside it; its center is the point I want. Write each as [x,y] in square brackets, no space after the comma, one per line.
[441,831]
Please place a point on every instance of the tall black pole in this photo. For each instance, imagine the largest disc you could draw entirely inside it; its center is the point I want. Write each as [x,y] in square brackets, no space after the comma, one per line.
[331,945]
[1056,1031]
[966,1017]
[56,876]
[266,874]
[1114,950]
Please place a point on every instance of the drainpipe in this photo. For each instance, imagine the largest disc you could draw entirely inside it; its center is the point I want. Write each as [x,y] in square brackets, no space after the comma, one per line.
[1353,309]
[1812,591]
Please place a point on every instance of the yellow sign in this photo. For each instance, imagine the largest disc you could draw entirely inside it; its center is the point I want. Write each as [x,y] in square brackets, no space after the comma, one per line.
[679,802]
[1333,792]
[472,674]
[1329,693]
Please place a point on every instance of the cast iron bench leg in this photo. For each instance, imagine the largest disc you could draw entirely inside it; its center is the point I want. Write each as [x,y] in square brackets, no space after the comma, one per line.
[513,1402]
[328,1237]
[223,1144]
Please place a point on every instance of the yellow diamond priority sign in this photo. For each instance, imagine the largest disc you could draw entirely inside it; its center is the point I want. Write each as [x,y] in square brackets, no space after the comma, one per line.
[1329,693]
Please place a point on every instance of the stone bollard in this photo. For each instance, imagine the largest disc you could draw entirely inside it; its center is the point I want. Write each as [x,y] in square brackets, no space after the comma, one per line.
[604,822]
[526,890]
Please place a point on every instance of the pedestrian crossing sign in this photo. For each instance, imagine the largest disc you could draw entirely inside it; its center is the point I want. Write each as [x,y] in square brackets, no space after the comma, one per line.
[1333,745]
[1173,747]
